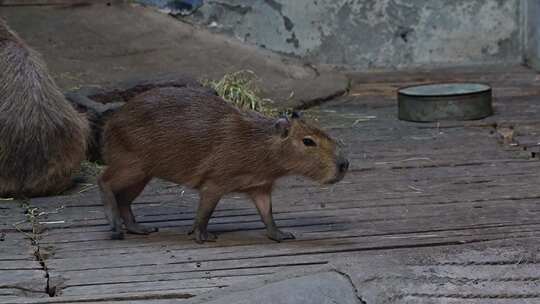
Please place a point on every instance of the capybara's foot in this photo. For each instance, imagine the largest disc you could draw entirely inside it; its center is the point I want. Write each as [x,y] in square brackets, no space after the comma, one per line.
[117,235]
[278,235]
[202,236]
[136,228]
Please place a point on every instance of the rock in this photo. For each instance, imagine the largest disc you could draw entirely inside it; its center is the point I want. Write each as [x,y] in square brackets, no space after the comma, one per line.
[320,288]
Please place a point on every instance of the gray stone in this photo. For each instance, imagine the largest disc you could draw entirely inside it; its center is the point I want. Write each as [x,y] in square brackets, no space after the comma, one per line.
[532,37]
[320,288]
[381,33]
[440,275]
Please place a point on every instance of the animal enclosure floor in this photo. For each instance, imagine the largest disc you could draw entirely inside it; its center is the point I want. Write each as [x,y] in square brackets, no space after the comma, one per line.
[430,213]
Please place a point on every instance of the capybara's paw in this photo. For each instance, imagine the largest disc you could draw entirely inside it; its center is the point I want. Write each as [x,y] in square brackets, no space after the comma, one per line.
[278,235]
[136,228]
[202,236]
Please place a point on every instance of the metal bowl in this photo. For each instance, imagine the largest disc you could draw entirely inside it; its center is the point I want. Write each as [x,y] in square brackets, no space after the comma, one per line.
[445,101]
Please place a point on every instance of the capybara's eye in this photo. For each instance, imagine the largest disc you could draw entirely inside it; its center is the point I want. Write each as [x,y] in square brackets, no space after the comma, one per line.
[309,142]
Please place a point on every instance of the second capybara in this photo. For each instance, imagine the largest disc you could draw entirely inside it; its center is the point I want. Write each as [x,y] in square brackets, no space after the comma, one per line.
[42,137]
[190,137]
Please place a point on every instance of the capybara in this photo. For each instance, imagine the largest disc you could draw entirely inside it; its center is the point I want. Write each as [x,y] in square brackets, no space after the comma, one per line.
[42,137]
[190,137]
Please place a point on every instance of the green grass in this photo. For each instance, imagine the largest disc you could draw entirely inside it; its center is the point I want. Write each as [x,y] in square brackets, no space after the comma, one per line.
[240,89]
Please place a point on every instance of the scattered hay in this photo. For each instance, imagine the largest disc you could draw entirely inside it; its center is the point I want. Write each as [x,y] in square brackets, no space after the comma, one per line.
[240,89]
[86,179]
[90,168]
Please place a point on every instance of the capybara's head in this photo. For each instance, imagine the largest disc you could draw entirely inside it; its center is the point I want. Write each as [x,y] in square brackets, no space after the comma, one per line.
[309,151]
[7,35]
[4,30]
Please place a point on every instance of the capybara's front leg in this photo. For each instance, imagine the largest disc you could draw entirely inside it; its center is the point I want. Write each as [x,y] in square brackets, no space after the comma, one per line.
[131,225]
[207,204]
[263,201]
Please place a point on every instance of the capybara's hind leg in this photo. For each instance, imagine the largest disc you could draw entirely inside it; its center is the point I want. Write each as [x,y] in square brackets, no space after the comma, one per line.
[113,180]
[111,206]
[124,198]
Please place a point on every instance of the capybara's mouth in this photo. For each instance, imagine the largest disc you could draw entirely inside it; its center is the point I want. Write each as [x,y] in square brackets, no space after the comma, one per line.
[342,168]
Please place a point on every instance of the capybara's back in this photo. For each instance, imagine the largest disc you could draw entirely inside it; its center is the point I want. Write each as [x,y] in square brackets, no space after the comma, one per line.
[42,137]
[189,136]
[185,135]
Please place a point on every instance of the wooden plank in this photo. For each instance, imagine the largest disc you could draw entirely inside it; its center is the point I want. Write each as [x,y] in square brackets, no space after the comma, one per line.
[414,190]
[346,214]
[208,258]
[150,285]
[158,297]
[100,273]
[11,213]
[319,209]
[56,2]
[20,274]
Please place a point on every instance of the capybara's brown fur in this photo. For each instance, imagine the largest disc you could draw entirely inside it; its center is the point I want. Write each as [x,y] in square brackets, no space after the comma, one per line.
[190,137]
[42,137]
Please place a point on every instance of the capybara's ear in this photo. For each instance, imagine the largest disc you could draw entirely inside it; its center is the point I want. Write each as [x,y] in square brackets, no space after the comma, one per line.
[296,115]
[282,126]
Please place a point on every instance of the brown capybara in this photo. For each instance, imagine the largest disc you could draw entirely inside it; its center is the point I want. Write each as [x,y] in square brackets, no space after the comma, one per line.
[42,137]
[197,139]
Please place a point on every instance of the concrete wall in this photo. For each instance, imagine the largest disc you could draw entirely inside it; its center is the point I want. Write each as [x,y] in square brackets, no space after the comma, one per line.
[373,33]
[532,39]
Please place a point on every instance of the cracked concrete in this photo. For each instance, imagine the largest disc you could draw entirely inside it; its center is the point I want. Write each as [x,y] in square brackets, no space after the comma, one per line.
[319,288]
[313,285]
[356,292]
[445,275]
[374,34]
[532,34]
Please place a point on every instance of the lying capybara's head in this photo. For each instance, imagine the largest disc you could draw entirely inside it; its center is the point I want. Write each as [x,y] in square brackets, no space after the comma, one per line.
[8,36]
[309,151]
[5,33]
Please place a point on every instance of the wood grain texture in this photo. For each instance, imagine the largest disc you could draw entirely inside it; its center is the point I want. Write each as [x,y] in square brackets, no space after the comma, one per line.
[418,197]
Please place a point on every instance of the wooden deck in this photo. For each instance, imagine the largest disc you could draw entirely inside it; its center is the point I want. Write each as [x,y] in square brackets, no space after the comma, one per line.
[430,213]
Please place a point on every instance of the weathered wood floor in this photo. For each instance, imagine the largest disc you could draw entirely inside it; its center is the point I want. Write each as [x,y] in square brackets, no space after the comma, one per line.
[430,213]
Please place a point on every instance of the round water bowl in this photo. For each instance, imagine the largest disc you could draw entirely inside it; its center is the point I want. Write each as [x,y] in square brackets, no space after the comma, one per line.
[445,101]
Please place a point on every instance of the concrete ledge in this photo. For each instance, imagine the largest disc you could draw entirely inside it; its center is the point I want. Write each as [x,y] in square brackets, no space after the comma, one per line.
[101,45]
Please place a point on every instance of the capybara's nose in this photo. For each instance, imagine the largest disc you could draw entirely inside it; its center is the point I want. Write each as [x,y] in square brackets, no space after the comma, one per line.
[343,165]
